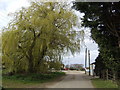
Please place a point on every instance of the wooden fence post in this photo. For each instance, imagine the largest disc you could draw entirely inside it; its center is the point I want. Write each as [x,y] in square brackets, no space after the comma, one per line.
[107,74]
[114,76]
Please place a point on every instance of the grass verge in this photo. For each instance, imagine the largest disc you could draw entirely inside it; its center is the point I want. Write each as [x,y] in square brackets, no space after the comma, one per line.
[17,81]
[99,83]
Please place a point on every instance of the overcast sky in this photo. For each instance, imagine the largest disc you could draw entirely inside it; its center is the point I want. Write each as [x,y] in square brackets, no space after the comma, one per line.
[10,6]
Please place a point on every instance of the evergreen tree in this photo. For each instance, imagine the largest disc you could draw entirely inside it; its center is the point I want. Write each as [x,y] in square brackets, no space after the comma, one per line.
[104,20]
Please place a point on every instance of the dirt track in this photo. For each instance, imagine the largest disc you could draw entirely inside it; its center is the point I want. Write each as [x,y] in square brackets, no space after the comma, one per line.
[73,79]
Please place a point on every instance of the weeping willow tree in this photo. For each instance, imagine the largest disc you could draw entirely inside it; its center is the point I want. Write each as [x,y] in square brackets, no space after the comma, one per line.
[39,31]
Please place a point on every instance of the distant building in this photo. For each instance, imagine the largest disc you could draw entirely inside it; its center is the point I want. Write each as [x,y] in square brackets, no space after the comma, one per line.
[74,66]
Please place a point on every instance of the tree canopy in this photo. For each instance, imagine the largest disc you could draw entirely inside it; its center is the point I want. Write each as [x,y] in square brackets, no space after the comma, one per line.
[104,20]
[38,34]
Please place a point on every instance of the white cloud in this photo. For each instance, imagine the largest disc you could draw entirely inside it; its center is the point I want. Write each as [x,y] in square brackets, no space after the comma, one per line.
[9,6]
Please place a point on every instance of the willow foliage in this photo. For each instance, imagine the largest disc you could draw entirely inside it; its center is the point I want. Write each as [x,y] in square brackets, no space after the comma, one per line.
[39,31]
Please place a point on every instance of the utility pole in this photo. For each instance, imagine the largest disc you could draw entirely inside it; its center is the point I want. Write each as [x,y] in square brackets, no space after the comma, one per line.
[85,59]
[89,60]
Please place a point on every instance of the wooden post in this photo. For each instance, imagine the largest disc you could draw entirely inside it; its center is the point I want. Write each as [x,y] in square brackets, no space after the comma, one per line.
[107,74]
[114,76]
[89,60]
[92,71]
[85,59]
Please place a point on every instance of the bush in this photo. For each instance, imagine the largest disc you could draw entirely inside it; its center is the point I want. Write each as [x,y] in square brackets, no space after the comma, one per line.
[82,69]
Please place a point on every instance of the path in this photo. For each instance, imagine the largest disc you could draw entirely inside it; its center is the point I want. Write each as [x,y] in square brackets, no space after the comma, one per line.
[73,79]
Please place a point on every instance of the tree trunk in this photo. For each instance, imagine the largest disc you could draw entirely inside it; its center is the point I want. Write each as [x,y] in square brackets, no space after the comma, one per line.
[100,74]
[30,65]
[40,59]
[42,55]
[30,60]
[119,42]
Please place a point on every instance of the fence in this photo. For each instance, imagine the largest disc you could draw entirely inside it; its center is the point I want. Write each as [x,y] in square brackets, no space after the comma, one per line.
[109,75]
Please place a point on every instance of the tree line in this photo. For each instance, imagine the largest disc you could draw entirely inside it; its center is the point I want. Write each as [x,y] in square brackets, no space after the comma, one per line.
[103,18]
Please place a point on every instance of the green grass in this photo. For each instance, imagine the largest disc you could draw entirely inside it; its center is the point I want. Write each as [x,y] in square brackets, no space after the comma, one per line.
[28,80]
[99,83]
